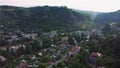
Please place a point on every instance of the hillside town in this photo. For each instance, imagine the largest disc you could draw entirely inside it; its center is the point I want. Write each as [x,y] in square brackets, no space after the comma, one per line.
[50,50]
[58,37]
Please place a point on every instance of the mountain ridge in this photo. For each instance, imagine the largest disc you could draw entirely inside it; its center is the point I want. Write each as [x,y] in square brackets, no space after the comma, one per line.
[42,18]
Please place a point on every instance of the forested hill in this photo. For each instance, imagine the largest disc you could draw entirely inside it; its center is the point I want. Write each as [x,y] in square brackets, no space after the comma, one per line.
[41,18]
[107,18]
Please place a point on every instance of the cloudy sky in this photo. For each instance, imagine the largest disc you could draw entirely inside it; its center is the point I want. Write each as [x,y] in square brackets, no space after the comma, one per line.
[92,5]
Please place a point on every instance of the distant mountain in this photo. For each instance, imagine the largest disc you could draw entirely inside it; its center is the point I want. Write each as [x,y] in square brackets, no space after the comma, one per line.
[91,13]
[107,18]
[41,18]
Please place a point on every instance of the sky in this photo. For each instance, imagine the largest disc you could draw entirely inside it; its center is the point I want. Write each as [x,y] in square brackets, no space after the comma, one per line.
[91,5]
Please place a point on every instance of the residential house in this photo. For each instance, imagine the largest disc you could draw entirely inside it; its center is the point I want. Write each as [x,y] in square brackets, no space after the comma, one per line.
[30,35]
[23,64]
[2,60]
[94,56]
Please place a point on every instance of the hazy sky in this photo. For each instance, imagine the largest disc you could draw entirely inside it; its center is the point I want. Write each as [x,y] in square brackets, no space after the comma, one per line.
[94,5]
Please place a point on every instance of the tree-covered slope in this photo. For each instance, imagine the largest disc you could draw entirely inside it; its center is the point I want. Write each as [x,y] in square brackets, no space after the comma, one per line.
[106,18]
[40,18]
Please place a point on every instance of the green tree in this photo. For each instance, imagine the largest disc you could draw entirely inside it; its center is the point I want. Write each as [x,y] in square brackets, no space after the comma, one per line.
[71,41]
[46,42]
[61,64]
